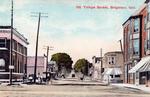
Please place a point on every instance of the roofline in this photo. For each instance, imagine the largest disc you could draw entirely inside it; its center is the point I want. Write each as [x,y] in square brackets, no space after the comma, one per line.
[137,12]
[131,17]
[113,52]
[19,34]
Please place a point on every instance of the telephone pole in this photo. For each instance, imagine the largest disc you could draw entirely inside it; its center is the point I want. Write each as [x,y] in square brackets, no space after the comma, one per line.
[47,60]
[37,39]
[11,38]
[47,50]
[101,59]
[123,60]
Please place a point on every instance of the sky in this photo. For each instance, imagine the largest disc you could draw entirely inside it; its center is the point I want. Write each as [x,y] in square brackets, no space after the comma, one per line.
[76,27]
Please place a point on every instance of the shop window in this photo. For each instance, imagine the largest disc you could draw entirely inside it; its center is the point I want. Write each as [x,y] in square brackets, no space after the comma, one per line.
[2,64]
[137,75]
[117,76]
[111,76]
[148,77]
[145,45]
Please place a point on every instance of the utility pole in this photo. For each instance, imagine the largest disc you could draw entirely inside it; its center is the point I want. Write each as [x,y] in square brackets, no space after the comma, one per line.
[11,39]
[101,60]
[36,51]
[123,60]
[37,39]
[47,50]
[47,60]
[121,46]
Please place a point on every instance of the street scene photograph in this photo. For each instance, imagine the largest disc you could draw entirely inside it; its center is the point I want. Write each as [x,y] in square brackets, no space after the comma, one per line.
[74,48]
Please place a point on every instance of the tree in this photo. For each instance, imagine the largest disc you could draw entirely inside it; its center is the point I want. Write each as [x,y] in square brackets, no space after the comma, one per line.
[82,65]
[62,60]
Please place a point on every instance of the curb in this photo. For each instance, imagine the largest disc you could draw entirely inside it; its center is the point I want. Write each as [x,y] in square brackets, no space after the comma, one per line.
[132,88]
[69,84]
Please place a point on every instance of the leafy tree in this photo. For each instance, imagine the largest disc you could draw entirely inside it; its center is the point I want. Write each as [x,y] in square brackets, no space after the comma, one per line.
[82,65]
[62,60]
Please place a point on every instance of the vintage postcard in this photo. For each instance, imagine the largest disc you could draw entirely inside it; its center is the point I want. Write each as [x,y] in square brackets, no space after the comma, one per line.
[74,48]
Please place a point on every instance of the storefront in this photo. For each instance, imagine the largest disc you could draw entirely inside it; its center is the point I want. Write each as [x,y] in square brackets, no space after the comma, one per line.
[112,75]
[142,71]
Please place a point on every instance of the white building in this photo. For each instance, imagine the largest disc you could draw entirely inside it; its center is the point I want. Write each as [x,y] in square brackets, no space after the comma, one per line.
[97,67]
[113,67]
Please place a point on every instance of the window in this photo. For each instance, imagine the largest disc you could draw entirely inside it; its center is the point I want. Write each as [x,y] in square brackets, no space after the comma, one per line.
[145,22]
[2,64]
[117,75]
[136,25]
[3,42]
[148,39]
[148,77]
[137,75]
[148,15]
[136,46]
[111,60]
[130,50]
[145,46]
[111,76]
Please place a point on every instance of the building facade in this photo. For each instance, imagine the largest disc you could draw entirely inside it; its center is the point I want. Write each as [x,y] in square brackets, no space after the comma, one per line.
[113,67]
[19,53]
[41,65]
[96,69]
[136,36]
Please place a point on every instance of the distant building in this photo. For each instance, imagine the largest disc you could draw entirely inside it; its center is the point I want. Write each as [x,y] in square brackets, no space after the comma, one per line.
[97,69]
[52,69]
[19,53]
[113,67]
[41,65]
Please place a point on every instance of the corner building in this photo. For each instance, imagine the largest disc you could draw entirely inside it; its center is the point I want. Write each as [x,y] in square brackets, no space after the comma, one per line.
[19,54]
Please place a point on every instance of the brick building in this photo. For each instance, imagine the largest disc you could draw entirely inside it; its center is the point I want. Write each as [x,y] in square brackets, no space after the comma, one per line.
[19,53]
[136,36]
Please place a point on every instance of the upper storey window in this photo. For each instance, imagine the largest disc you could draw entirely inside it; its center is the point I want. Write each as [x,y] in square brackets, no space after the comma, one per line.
[136,25]
[2,42]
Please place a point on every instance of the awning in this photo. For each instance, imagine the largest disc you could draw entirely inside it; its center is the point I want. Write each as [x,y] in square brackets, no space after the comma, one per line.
[113,71]
[143,63]
[145,67]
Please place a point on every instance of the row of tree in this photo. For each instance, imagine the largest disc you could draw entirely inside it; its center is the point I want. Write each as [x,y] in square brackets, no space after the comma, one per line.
[64,60]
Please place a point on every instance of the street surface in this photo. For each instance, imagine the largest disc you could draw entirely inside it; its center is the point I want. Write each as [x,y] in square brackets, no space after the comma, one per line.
[68,91]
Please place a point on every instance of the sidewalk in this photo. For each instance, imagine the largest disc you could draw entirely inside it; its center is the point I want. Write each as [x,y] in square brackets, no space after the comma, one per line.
[132,86]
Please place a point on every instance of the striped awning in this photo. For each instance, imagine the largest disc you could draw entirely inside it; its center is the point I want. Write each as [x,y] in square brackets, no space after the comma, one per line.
[113,71]
[141,66]
[145,67]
